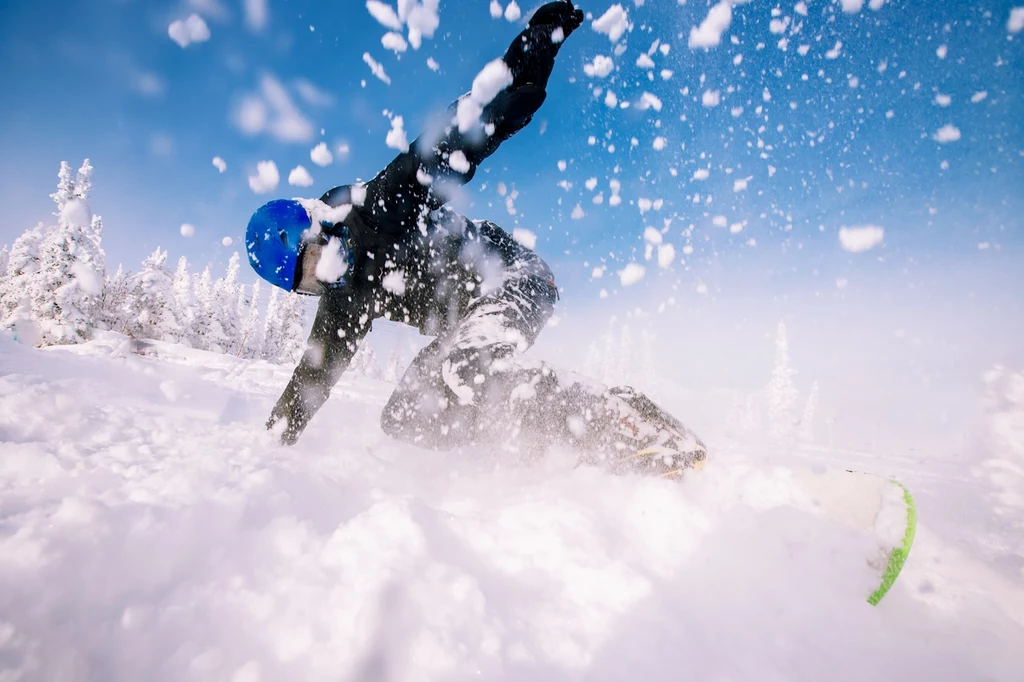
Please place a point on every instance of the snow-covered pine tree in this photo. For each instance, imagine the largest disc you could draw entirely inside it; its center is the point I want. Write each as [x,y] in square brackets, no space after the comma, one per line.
[293,327]
[115,306]
[250,344]
[225,306]
[153,301]
[200,316]
[807,423]
[780,393]
[72,269]
[5,257]
[184,311]
[273,336]
[16,287]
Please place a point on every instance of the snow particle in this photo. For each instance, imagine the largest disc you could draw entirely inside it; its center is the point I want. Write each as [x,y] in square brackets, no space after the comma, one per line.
[227,241]
[631,274]
[266,177]
[188,31]
[384,15]
[860,238]
[187,230]
[458,162]
[376,67]
[613,23]
[979,96]
[701,174]
[300,177]
[600,67]
[524,237]
[1015,24]
[947,133]
[432,64]
[711,98]
[220,164]
[709,33]
[496,10]
[396,138]
[512,12]
[577,212]
[321,155]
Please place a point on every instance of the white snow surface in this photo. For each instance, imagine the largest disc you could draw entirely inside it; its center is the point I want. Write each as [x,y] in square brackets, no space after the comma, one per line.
[151,530]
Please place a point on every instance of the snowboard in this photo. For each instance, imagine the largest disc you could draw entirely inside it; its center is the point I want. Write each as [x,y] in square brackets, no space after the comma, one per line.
[880,507]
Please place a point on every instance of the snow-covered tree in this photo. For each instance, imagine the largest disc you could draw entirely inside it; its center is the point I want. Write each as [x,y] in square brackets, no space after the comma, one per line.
[153,301]
[19,282]
[273,336]
[65,187]
[5,257]
[284,337]
[224,306]
[115,306]
[69,285]
[250,344]
[184,310]
[209,333]
[780,393]
[807,423]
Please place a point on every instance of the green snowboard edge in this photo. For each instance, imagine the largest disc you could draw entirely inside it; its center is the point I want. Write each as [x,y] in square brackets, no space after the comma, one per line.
[899,555]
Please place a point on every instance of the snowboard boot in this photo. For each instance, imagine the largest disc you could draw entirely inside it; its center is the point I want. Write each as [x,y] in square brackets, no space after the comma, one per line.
[645,439]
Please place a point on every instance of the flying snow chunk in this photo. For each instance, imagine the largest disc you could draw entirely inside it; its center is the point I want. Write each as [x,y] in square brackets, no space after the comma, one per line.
[709,33]
[701,174]
[422,20]
[562,165]
[711,98]
[1015,24]
[458,161]
[76,212]
[631,274]
[396,138]
[947,133]
[256,14]
[300,177]
[266,178]
[979,96]
[394,41]
[719,221]
[376,67]
[644,62]
[943,100]
[191,30]
[649,101]
[659,143]
[321,155]
[740,184]
[524,237]
[432,64]
[492,79]
[496,10]
[333,263]
[227,241]
[577,212]
[512,12]
[852,6]
[612,23]
[220,164]
[860,237]
[394,282]
[652,236]
[942,51]
[600,67]
[187,230]
[666,254]
[87,279]
[384,15]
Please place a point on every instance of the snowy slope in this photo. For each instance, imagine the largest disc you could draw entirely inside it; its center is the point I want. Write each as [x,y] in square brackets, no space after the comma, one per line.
[150,530]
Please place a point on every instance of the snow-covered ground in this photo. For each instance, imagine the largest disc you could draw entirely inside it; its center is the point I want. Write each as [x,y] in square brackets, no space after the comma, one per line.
[150,530]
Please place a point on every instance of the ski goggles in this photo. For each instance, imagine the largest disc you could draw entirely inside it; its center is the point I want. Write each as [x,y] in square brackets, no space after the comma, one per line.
[322,264]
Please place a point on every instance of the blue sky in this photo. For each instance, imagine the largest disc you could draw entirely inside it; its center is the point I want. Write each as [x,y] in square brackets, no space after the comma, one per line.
[104,80]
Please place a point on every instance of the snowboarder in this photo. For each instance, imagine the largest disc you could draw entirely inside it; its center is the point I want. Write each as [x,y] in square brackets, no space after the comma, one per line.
[390,248]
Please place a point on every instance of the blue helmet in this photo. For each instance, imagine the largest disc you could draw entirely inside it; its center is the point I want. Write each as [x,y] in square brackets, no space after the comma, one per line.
[273,240]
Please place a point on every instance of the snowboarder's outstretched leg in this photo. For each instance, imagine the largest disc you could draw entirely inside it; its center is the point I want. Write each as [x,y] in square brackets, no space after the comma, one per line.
[472,387]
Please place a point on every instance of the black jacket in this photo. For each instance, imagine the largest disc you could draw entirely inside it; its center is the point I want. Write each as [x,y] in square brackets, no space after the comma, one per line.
[412,260]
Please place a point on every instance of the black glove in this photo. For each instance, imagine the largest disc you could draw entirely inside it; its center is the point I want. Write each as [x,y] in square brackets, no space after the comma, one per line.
[531,56]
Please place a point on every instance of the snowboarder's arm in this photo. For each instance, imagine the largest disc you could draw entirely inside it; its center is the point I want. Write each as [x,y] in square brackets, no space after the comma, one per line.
[421,179]
[337,330]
